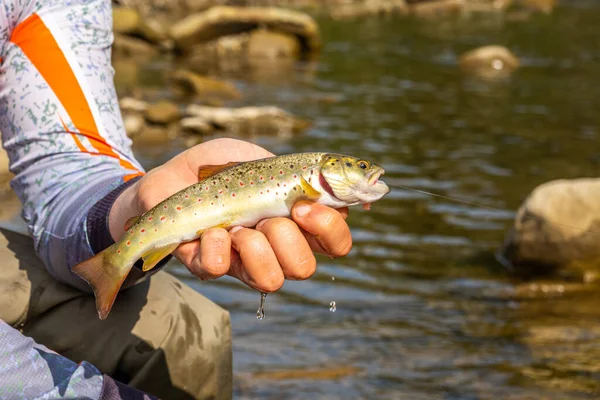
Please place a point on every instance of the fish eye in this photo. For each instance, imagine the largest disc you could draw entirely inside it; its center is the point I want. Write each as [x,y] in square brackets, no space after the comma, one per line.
[363,164]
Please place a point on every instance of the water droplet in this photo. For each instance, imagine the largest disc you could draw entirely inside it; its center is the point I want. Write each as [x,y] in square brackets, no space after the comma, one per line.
[260,314]
[332,306]
[333,278]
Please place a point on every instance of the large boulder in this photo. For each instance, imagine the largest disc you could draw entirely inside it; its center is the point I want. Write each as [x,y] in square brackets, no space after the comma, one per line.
[225,20]
[557,229]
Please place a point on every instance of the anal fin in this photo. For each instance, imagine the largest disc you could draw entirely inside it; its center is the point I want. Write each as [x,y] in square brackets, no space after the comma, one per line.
[154,256]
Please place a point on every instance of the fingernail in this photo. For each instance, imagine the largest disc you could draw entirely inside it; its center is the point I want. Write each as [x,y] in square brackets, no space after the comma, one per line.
[302,210]
[235,229]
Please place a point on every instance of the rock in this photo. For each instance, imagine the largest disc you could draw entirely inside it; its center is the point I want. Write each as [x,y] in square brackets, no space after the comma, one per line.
[134,124]
[249,120]
[436,7]
[163,112]
[131,104]
[269,45]
[205,87]
[197,125]
[556,230]
[489,60]
[312,373]
[155,135]
[128,21]
[125,46]
[545,6]
[368,8]
[224,20]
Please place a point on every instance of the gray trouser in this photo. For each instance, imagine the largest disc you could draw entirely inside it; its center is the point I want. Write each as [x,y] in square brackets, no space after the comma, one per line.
[161,336]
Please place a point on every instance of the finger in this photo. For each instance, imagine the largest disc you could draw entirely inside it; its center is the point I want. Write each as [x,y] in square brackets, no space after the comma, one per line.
[208,258]
[327,230]
[290,246]
[261,270]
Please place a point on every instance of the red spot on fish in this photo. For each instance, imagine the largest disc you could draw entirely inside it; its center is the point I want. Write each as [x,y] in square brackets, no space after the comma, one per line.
[128,243]
[232,194]
[272,178]
[199,200]
[280,172]
[252,183]
[149,218]
[251,172]
[304,168]
[162,218]
[295,176]
[267,190]
[206,188]
[212,204]
[140,242]
[186,196]
[155,230]
[165,206]
[214,182]
[178,208]
[249,196]
[220,192]
[261,192]
[261,178]
[226,179]
[173,221]
[241,183]
[143,230]
[118,251]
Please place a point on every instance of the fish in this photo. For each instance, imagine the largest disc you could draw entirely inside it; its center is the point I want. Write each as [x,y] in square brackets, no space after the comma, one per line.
[228,195]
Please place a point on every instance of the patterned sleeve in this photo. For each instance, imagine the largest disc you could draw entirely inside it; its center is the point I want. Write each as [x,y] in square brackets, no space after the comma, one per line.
[60,122]
[31,371]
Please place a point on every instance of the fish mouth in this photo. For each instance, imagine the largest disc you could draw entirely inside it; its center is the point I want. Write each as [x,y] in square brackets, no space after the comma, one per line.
[373,179]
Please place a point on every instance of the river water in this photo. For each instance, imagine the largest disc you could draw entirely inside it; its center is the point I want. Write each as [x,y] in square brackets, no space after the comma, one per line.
[423,310]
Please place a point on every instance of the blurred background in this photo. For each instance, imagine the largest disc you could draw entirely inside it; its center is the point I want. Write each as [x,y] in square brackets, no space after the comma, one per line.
[423,307]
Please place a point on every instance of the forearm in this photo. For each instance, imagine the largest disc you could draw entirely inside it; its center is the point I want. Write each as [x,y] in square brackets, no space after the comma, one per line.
[60,122]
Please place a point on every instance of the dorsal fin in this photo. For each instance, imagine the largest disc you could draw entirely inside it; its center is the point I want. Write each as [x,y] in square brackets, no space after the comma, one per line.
[207,171]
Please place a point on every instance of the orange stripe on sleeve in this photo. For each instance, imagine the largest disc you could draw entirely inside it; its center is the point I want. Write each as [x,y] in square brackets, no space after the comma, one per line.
[38,44]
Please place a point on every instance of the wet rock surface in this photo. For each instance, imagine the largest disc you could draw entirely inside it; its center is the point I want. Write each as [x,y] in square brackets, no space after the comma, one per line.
[557,230]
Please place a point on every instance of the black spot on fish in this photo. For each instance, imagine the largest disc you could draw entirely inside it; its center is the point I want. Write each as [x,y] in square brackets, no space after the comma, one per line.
[291,166]
[348,164]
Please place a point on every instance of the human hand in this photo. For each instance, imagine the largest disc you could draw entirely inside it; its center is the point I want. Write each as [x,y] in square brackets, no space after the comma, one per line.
[276,249]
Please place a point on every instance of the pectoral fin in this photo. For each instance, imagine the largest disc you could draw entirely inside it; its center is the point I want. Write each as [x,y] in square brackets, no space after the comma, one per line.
[207,171]
[153,257]
[310,192]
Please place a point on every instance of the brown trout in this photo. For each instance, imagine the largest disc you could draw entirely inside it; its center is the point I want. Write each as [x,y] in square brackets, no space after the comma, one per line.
[234,194]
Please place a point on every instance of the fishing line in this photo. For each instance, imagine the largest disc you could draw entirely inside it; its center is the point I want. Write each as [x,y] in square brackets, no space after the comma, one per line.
[470,203]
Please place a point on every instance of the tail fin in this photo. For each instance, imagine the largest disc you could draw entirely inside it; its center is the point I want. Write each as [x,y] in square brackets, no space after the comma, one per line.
[104,278]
